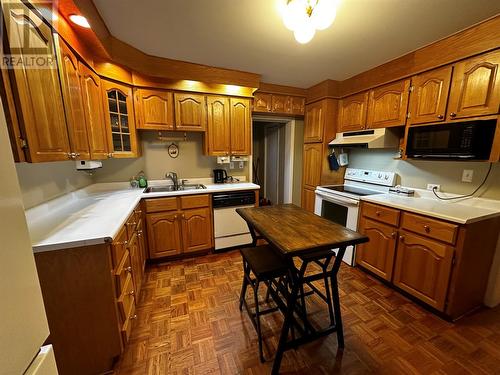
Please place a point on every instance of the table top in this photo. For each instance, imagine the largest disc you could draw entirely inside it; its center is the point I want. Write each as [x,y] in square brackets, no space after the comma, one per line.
[295,231]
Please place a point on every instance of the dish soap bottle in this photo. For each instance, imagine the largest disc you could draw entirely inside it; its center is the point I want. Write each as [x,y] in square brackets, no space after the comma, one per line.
[143,182]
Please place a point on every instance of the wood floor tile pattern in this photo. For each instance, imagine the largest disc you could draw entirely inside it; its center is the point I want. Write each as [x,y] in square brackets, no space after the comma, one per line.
[189,323]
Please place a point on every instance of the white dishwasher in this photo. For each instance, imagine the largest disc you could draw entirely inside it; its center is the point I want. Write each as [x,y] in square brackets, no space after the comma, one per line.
[229,228]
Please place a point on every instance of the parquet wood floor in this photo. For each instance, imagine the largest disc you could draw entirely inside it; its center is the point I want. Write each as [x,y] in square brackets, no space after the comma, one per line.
[189,323]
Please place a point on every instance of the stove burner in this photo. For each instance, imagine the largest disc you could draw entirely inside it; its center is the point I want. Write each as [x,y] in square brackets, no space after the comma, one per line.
[352,190]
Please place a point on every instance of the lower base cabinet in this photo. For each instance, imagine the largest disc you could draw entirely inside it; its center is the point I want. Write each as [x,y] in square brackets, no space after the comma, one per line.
[179,225]
[90,296]
[308,198]
[443,264]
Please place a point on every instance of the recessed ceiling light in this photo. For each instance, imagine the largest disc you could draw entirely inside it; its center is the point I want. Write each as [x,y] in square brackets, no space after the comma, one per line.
[79,20]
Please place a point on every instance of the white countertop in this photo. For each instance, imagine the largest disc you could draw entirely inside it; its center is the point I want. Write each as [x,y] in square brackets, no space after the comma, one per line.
[461,211]
[95,214]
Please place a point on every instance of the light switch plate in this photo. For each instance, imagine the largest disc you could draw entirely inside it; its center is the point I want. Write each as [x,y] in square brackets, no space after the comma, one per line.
[467,175]
[231,165]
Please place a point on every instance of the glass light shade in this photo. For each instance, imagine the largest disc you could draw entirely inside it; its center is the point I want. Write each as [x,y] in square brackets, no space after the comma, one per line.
[305,33]
[79,20]
[294,14]
[323,14]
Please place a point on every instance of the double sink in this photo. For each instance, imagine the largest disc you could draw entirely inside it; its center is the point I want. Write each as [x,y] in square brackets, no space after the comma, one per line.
[167,188]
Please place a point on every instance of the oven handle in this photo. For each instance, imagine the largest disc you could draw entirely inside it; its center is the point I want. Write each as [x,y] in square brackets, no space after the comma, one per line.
[346,202]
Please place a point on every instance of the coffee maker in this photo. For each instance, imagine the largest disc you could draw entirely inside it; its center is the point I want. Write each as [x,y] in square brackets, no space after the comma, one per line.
[220,176]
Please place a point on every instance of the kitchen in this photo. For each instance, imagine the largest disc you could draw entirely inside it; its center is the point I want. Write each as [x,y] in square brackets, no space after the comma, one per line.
[131,168]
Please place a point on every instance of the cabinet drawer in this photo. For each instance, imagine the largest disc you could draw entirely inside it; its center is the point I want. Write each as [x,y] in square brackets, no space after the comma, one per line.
[380,213]
[131,224]
[122,271]
[119,246]
[126,299]
[433,228]
[161,204]
[127,325]
[195,201]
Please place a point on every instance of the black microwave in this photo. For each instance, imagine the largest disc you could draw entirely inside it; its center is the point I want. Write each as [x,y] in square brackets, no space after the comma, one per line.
[458,141]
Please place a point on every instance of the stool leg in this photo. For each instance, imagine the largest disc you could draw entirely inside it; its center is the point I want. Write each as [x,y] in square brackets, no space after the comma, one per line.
[257,320]
[336,308]
[244,285]
[329,300]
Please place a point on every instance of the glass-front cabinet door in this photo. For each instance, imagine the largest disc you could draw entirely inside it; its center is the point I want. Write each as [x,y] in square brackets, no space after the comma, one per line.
[122,136]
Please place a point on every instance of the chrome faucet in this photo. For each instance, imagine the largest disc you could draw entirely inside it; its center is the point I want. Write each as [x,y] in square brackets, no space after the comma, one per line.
[173,176]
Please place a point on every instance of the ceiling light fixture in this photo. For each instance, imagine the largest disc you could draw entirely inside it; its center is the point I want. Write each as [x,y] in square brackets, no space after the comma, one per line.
[79,20]
[304,17]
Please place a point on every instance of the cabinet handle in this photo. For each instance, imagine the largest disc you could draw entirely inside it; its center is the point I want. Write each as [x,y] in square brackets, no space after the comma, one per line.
[183,216]
[133,317]
[110,155]
[128,269]
[134,223]
[378,213]
[138,211]
[402,238]
[175,217]
[440,117]
[453,114]
[131,293]
[393,234]
[427,228]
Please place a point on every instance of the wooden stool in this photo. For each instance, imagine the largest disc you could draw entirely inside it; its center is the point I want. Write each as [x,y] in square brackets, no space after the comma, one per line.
[265,265]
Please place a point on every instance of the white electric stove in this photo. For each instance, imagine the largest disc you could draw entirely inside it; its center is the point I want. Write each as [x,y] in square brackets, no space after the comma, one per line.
[340,203]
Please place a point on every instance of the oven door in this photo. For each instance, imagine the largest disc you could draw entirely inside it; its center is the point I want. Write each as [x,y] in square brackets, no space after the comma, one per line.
[340,210]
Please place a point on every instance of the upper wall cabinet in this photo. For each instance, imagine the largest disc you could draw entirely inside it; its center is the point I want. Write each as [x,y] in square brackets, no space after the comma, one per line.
[429,96]
[314,122]
[190,112]
[94,113]
[262,102]
[241,126]
[120,120]
[154,109]
[73,100]
[37,92]
[387,105]
[218,132]
[475,88]
[352,112]
[279,104]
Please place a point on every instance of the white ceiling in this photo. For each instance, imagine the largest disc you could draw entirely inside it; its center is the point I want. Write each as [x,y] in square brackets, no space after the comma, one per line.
[248,35]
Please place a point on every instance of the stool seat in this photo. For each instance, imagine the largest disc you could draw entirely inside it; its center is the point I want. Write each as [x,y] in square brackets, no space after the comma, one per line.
[264,262]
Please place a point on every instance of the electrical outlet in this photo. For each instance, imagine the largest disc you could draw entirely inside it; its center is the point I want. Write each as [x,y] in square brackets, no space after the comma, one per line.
[231,165]
[467,175]
[432,186]
[240,165]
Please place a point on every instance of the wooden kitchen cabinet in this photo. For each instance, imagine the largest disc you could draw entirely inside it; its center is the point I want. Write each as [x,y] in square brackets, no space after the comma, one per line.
[154,109]
[219,127]
[295,105]
[278,104]
[37,92]
[475,87]
[94,112]
[308,198]
[190,111]
[73,100]
[120,120]
[423,268]
[314,122]
[429,96]
[377,255]
[388,104]
[311,159]
[352,112]
[262,102]
[240,126]
[179,225]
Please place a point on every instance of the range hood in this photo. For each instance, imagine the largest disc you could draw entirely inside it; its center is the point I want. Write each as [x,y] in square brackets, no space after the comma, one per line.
[371,138]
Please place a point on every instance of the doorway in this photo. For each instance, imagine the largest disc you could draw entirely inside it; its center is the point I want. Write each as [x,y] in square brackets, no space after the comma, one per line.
[277,159]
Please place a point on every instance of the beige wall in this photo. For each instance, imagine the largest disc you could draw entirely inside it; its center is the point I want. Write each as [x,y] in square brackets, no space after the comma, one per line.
[41,182]
[297,162]
[419,173]
[155,161]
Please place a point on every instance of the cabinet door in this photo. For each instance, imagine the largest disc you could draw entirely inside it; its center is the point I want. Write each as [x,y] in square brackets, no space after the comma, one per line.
[387,105]
[164,234]
[262,102]
[308,198]
[120,120]
[312,158]
[135,262]
[278,103]
[378,254]
[190,112]
[154,109]
[241,127]
[73,100]
[218,130]
[475,88]
[295,105]
[429,96]
[197,229]
[94,113]
[37,90]
[423,268]
[314,122]
[353,112]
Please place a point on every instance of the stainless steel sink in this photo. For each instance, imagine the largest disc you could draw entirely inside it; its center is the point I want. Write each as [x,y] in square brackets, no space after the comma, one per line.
[167,188]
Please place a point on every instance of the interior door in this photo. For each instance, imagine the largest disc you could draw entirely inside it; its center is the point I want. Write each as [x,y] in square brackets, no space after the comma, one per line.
[274,163]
